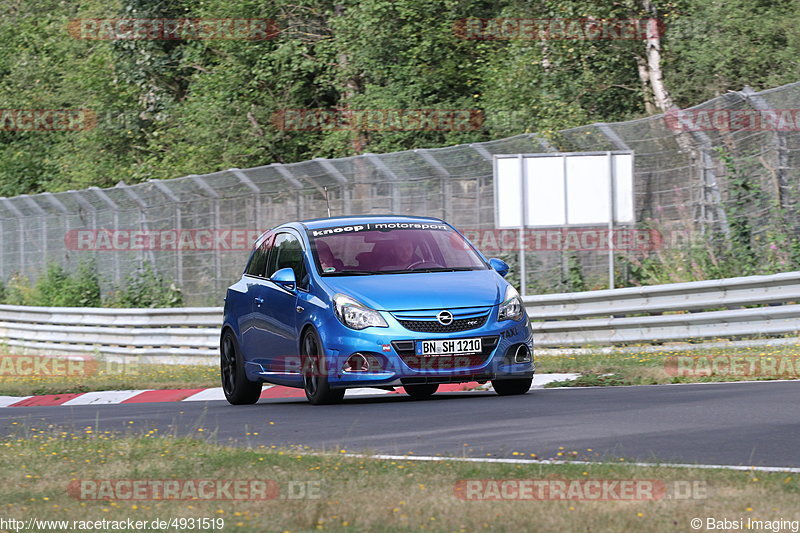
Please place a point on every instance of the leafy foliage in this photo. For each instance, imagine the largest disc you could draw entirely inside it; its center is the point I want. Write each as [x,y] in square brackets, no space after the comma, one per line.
[145,288]
[59,288]
[81,288]
[171,108]
[55,288]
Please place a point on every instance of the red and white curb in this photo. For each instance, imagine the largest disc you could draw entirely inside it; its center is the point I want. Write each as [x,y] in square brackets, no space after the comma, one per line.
[205,395]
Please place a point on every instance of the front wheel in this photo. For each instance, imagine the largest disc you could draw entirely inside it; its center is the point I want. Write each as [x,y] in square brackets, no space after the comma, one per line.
[511,387]
[315,374]
[237,388]
[420,392]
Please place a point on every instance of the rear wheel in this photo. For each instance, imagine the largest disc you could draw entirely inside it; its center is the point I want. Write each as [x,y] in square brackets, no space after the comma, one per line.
[420,392]
[510,387]
[237,388]
[315,375]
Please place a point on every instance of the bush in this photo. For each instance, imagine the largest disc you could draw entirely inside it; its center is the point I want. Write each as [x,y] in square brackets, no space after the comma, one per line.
[58,288]
[145,288]
[19,290]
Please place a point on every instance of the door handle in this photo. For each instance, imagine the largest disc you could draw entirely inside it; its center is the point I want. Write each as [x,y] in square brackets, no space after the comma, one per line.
[299,309]
[259,301]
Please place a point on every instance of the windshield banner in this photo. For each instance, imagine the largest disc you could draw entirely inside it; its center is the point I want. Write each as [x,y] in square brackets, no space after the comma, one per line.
[377,226]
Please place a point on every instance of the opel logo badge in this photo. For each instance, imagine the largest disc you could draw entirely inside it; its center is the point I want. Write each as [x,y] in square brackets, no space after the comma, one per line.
[445,318]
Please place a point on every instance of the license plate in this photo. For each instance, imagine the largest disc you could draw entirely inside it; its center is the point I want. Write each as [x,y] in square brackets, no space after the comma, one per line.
[455,346]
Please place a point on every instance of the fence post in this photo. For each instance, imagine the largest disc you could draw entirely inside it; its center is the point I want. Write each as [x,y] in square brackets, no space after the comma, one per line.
[166,191]
[20,231]
[779,144]
[393,179]
[296,185]
[444,176]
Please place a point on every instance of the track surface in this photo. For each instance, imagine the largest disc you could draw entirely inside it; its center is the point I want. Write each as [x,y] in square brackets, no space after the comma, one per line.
[753,424]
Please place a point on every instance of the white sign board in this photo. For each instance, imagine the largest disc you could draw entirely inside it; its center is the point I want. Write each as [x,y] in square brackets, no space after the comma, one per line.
[563,189]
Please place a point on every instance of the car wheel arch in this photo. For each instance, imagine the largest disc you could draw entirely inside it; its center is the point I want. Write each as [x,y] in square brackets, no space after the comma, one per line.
[308,327]
[226,328]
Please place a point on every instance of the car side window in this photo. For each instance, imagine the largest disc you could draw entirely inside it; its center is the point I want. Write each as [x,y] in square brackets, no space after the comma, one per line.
[288,253]
[258,261]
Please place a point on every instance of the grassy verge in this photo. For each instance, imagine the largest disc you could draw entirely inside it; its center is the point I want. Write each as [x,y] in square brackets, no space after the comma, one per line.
[102,376]
[357,494]
[644,367]
[651,366]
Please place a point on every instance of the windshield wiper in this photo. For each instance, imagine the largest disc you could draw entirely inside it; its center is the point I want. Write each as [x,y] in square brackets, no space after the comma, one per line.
[351,273]
[445,269]
[398,271]
[426,270]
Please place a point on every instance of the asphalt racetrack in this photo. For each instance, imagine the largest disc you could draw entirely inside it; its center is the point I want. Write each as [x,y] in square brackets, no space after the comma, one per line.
[751,424]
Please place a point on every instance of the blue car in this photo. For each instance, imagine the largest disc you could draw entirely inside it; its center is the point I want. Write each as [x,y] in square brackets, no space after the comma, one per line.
[372,301]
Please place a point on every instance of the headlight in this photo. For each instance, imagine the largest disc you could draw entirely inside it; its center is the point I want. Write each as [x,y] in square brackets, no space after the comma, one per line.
[511,308]
[356,315]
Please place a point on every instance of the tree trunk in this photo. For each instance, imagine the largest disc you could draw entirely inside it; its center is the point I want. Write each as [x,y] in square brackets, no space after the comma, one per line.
[655,76]
[352,86]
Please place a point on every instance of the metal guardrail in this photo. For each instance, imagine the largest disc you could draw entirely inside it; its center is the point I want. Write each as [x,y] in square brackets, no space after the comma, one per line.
[185,331]
[735,307]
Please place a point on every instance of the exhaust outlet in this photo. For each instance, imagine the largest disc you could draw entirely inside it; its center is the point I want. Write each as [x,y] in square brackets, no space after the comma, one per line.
[356,363]
[522,354]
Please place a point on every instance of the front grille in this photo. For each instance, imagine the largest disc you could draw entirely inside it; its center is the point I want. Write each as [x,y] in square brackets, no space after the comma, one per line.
[433,326]
[405,349]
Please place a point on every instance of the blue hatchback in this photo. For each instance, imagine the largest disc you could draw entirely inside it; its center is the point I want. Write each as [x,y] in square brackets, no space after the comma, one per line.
[372,301]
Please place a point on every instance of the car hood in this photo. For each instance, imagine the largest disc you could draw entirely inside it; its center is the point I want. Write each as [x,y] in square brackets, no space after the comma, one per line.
[424,290]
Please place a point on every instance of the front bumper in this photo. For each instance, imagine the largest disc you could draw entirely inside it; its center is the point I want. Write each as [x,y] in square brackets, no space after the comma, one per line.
[397,364]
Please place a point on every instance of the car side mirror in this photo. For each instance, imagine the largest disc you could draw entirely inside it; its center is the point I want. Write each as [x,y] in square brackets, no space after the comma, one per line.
[285,278]
[499,265]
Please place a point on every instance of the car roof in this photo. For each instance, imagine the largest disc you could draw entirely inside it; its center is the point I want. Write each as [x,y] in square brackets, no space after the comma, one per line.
[363,219]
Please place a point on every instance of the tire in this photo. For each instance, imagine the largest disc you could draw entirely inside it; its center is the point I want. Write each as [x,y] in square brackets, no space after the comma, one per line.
[512,387]
[237,388]
[421,392]
[315,377]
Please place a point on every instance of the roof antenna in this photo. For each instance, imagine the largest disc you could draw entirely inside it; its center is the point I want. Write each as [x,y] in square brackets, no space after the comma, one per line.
[327,203]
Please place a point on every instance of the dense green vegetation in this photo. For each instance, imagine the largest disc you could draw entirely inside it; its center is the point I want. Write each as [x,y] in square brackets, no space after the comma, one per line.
[57,287]
[167,108]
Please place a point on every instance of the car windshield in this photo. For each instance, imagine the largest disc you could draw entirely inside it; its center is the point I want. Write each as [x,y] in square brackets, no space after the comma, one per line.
[391,248]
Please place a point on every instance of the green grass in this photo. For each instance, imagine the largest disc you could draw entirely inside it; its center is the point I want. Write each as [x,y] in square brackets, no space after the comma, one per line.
[651,365]
[645,366]
[355,494]
[107,376]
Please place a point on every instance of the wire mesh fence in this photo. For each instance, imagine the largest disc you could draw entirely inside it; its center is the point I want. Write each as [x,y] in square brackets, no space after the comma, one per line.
[695,174]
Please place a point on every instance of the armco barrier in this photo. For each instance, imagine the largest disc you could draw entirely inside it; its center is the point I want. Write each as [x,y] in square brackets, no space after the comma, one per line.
[183,331]
[735,307]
